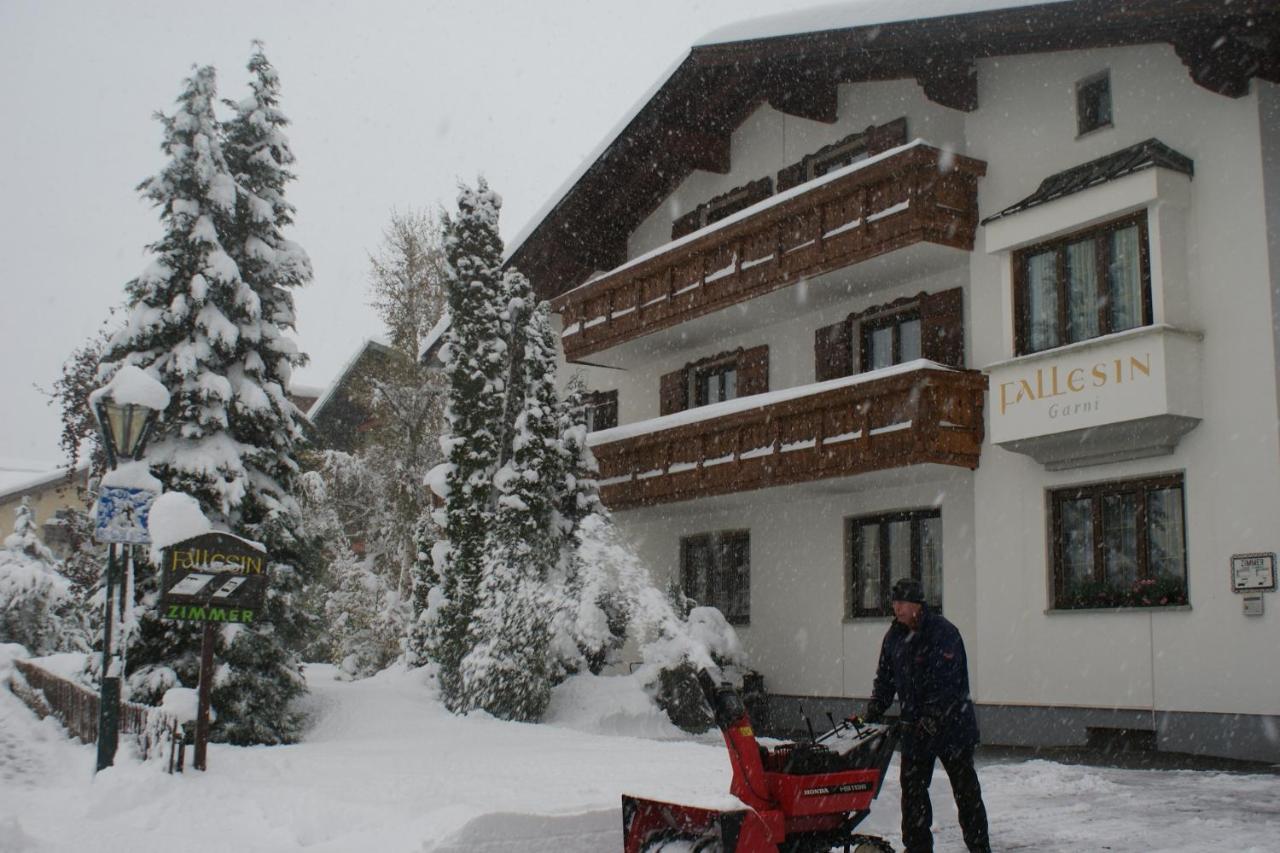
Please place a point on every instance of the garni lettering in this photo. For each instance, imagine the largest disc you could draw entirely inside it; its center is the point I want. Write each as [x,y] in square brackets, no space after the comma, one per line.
[1054,381]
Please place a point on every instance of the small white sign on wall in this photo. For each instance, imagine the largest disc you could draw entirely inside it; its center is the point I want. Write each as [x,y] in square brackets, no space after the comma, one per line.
[1253,573]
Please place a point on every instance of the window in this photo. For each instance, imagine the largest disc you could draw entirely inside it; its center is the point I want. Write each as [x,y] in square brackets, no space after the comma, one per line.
[713,384]
[884,548]
[715,571]
[1120,545]
[1093,103]
[714,379]
[890,340]
[601,410]
[1088,284]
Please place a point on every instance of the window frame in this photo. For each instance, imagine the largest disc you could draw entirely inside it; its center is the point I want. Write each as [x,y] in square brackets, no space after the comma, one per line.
[1100,81]
[853,610]
[715,542]
[595,402]
[1099,235]
[1096,494]
[868,326]
[717,371]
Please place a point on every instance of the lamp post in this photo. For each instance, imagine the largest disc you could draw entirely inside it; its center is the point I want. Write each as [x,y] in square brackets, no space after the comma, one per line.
[126,410]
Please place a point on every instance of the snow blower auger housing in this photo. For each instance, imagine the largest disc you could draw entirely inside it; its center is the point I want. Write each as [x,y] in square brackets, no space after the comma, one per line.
[801,797]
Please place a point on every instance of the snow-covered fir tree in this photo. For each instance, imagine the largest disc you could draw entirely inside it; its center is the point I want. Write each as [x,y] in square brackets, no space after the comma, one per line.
[37,607]
[476,362]
[210,319]
[506,670]
[590,618]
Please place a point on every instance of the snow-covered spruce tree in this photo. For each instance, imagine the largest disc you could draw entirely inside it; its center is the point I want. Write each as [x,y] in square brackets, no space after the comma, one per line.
[590,617]
[476,365]
[506,670]
[425,579]
[37,608]
[209,318]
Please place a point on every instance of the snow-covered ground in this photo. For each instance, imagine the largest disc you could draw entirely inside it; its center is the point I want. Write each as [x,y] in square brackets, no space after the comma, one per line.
[385,768]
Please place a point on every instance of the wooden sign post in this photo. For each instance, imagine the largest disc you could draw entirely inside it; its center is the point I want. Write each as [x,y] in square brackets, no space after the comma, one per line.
[212,578]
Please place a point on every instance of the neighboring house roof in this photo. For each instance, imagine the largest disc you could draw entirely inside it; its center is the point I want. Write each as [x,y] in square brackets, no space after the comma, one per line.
[31,483]
[435,338]
[1126,161]
[304,396]
[380,345]
[686,121]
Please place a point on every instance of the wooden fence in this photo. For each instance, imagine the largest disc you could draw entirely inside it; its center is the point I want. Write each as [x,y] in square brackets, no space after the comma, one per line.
[76,707]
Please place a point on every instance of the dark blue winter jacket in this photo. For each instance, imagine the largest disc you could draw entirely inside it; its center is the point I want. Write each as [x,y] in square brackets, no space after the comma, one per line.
[929,673]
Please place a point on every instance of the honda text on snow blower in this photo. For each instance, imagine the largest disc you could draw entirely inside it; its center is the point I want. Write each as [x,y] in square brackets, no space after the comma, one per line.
[802,797]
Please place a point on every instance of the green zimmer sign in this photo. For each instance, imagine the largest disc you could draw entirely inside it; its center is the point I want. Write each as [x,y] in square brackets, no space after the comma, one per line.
[214,577]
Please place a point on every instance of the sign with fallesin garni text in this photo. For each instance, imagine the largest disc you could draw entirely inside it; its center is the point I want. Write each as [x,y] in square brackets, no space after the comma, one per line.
[214,577]
[1109,380]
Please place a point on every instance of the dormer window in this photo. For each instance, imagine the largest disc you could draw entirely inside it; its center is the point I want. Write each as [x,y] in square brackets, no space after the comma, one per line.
[1082,286]
[1093,103]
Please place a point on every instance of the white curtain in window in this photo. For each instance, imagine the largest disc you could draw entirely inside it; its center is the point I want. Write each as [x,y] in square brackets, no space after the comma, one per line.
[931,560]
[1082,291]
[1165,534]
[869,566]
[1125,280]
[1042,301]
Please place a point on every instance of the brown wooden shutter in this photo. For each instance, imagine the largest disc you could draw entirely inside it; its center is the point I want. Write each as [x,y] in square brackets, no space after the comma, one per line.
[832,352]
[942,326]
[672,393]
[753,371]
[887,136]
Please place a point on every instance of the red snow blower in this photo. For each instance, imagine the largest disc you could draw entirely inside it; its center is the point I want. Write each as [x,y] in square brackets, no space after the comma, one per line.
[798,797]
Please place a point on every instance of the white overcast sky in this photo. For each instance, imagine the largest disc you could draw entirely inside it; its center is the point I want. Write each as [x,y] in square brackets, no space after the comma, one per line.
[391,102]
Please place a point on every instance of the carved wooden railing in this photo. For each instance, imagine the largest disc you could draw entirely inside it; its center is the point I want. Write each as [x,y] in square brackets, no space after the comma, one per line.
[867,423]
[76,707]
[908,195]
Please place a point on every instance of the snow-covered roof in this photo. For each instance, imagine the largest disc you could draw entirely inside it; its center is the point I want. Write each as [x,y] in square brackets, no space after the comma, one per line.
[16,482]
[433,337]
[589,160]
[341,375]
[843,16]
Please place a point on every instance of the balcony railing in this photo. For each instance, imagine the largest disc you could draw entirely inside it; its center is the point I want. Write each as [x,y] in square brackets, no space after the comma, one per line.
[907,415]
[915,193]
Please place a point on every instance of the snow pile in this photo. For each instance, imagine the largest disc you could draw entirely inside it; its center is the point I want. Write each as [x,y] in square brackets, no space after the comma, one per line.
[133,386]
[175,516]
[385,767]
[181,703]
[132,475]
[609,705]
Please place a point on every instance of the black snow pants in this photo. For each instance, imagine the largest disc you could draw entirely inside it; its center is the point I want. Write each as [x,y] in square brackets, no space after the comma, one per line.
[917,811]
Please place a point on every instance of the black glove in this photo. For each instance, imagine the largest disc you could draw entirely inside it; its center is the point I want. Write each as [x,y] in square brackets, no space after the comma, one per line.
[875,713]
[927,726]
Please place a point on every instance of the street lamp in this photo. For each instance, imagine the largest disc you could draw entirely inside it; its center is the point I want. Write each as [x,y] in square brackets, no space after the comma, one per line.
[126,409]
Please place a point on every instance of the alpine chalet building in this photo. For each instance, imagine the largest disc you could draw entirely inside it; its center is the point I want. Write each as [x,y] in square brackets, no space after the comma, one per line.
[990,299]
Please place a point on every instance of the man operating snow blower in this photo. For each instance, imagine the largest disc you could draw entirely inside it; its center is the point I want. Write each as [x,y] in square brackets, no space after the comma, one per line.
[922,661]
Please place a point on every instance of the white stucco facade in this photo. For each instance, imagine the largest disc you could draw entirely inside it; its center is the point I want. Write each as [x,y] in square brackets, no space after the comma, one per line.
[1209,360]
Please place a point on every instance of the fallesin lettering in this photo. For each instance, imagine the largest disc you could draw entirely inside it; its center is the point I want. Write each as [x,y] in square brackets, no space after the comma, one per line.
[200,557]
[1049,382]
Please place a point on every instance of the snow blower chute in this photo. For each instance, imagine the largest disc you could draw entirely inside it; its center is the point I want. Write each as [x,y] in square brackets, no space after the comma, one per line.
[801,797]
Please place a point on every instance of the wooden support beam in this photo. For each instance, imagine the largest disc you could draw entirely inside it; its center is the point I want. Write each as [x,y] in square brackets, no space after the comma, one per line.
[812,99]
[698,149]
[1220,62]
[949,81]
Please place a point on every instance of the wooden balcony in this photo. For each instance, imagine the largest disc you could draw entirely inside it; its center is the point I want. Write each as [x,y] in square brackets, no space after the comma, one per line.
[909,415]
[912,194]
